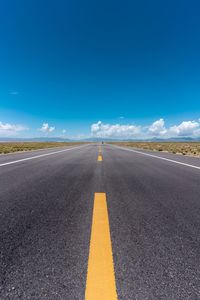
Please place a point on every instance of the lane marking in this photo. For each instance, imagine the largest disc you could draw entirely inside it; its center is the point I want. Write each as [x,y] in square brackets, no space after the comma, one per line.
[100,158]
[100,283]
[38,156]
[158,157]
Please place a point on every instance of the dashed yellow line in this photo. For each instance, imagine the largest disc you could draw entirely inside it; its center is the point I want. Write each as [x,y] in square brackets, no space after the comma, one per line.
[100,158]
[100,277]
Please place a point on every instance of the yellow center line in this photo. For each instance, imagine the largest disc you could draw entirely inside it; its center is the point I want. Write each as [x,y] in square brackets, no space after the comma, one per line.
[100,277]
[100,158]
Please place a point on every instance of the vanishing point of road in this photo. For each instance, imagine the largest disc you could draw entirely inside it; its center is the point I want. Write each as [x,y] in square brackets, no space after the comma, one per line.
[99,222]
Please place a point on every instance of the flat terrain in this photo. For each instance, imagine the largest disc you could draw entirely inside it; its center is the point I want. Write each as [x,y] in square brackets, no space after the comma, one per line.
[46,211]
[27,146]
[184,148]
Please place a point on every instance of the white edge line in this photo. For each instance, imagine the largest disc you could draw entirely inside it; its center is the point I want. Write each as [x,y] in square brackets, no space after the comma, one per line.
[38,156]
[154,156]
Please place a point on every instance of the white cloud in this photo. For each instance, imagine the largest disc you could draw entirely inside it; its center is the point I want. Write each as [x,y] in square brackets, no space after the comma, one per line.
[7,129]
[46,128]
[186,128]
[64,131]
[108,130]
[156,129]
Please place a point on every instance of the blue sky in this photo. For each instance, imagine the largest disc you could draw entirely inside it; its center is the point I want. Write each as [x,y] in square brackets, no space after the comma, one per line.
[71,64]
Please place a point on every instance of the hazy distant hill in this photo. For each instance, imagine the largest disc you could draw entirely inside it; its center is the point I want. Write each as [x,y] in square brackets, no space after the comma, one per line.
[94,139]
[37,139]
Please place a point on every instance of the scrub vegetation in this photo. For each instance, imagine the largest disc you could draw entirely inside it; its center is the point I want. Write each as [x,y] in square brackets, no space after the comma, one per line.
[26,146]
[184,148]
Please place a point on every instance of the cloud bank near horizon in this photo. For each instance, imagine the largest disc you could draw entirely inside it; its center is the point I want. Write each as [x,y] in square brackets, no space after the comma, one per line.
[157,129]
[7,129]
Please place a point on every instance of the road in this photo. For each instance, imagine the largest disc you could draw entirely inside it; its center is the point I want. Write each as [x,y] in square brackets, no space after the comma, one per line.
[51,241]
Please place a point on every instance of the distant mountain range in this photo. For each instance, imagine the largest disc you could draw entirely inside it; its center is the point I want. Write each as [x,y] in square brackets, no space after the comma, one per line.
[37,139]
[94,139]
[175,139]
[52,139]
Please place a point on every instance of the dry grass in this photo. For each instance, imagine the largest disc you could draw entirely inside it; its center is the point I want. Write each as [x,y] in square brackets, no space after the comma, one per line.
[184,148]
[26,146]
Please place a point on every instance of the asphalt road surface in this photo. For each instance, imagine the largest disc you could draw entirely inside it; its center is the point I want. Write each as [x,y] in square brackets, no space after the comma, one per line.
[46,213]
